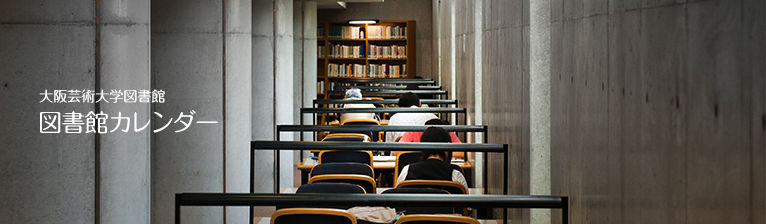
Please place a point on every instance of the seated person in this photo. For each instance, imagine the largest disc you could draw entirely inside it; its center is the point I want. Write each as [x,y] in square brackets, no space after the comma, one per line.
[356,94]
[415,137]
[407,100]
[432,165]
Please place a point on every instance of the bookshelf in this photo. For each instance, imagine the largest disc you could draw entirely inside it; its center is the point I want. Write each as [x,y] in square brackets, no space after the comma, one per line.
[383,50]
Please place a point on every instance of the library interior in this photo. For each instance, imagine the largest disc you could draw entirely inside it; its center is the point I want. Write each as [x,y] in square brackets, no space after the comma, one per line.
[383,111]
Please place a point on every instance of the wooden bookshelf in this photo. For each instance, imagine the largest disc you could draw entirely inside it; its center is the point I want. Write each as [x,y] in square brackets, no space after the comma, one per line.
[344,36]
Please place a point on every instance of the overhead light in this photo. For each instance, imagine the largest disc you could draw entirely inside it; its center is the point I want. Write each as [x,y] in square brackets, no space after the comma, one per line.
[363,21]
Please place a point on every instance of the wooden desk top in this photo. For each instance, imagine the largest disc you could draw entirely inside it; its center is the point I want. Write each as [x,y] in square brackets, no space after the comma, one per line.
[377,165]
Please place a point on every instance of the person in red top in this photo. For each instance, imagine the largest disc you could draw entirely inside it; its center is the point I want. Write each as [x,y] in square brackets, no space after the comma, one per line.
[415,137]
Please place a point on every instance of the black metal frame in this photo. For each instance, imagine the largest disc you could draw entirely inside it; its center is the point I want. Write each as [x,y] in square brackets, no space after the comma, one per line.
[300,145]
[384,101]
[364,128]
[424,200]
[385,87]
[441,110]
[392,92]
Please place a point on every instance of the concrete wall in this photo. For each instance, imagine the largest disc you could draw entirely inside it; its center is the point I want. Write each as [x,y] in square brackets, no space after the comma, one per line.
[417,10]
[201,56]
[72,177]
[502,61]
[657,107]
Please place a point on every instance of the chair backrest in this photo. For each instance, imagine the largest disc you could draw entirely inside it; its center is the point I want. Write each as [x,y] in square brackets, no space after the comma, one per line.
[404,158]
[342,168]
[450,186]
[346,137]
[375,135]
[333,156]
[436,219]
[332,188]
[312,215]
[365,181]
[420,210]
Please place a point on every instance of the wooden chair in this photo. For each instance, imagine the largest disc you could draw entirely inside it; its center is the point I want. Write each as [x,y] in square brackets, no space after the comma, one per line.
[404,158]
[358,156]
[331,188]
[420,210]
[365,181]
[342,168]
[441,219]
[376,136]
[312,215]
[450,186]
[346,137]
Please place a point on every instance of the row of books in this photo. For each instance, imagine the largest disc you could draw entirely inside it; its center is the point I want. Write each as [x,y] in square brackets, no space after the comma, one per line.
[344,51]
[346,70]
[387,71]
[346,32]
[320,32]
[393,51]
[320,87]
[386,32]
[367,71]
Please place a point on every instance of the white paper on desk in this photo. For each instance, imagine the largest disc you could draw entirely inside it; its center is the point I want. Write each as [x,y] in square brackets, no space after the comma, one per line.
[384,158]
[457,161]
[310,162]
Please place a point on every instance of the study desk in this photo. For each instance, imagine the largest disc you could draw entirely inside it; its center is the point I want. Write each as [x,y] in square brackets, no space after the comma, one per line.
[378,165]
[423,200]
[292,190]
[267,220]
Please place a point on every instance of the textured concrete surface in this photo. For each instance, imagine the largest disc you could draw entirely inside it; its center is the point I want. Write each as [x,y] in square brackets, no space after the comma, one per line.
[305,68]
[540,105]
[187,63]
[503,63]
[238,103]
[657,107]
[263,91]
[125,157]
[284,84]
[47,178]
[272,106]
[395,10]
[52,177]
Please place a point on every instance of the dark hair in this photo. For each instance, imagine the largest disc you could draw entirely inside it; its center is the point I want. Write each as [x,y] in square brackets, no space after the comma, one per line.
[409,99]
[436,121]
[436,134]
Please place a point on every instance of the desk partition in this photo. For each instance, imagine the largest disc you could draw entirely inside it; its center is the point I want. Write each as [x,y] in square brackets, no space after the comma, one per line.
[393,200]
[385,101]
[442,110]
[365,128]
[344,88]
[392,92]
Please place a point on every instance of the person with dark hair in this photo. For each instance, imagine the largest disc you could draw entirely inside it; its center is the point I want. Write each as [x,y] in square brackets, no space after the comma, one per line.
[414,136]
[407,100]
[433,165]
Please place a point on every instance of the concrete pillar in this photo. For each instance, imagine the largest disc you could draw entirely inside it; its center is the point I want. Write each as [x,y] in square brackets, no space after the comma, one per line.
[305,33]
[47,178]
[478,114]
[283,82]
[272,86]
[125,157]
[238,98]
[187,54]
[72,177]
[540,104]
